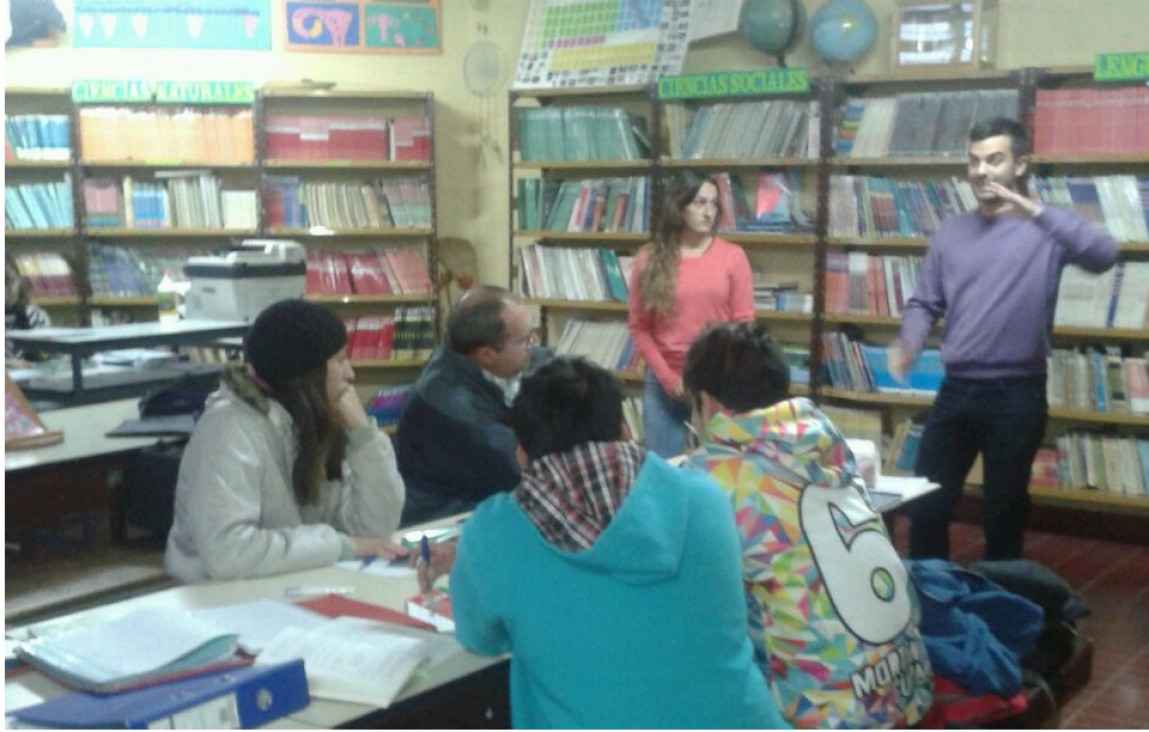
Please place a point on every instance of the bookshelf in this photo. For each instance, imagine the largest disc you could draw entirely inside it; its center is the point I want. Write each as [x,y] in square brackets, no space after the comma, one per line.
[40,208]
[583,178]
[350,175]
[870,194]
[156,178]
[872,190]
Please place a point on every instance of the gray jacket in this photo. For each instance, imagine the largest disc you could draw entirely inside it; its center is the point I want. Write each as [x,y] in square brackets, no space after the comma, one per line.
[236,515]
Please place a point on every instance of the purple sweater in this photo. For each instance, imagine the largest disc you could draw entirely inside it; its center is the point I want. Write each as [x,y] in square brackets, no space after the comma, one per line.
[995,281]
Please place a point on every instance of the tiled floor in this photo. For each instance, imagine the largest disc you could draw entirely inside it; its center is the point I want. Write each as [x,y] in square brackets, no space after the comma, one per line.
[1114,580]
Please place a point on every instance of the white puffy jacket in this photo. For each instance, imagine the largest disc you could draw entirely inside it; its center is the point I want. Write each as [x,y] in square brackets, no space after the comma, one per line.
[235,511]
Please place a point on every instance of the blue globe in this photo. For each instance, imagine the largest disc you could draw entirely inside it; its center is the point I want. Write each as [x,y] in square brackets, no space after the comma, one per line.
[843,31]
[771,26]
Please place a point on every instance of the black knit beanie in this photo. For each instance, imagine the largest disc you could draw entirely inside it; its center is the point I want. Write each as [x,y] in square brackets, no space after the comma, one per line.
[291,338]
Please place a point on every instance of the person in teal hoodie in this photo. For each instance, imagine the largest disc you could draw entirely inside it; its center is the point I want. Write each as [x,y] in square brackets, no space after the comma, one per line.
[612,578]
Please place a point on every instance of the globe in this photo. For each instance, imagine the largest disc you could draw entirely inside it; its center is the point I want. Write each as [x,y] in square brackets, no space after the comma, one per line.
[843,31]
[771,26]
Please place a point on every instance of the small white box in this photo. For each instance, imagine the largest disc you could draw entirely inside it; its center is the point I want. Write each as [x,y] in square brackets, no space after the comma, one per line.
[238,285]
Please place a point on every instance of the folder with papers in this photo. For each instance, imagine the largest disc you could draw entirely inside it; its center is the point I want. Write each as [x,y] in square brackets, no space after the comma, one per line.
[235,699]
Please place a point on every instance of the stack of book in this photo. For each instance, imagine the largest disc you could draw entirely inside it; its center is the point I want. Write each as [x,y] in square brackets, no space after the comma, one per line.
[38,136]
[176,134]
[607,344]
[568,273]
[48,274]
[1092,121]
[580,133]
[383,270]
[39,205]
[1116,298]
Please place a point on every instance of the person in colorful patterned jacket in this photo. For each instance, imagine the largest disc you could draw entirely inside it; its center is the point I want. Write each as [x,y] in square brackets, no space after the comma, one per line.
[833,618]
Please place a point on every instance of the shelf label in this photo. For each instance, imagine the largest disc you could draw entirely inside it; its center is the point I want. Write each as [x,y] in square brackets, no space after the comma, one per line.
[1121,67]
[734,83]
[97,90]
[164,92]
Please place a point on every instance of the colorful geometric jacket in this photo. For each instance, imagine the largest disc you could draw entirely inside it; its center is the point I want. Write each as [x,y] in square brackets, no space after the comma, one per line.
[833,617]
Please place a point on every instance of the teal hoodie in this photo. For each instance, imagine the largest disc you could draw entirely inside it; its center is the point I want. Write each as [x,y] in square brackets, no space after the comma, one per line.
[646,629]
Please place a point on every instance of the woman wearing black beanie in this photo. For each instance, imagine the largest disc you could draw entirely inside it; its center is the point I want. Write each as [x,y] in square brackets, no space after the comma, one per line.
[284,470]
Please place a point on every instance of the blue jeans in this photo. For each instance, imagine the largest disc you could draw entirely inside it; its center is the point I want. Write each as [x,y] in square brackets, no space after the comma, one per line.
[1004,420]
[663,418]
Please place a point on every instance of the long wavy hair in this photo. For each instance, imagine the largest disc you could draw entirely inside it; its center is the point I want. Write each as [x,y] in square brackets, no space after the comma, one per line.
[660,274]
[322,443]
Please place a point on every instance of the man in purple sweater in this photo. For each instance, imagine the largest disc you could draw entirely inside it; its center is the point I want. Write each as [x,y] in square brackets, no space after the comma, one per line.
[993,275]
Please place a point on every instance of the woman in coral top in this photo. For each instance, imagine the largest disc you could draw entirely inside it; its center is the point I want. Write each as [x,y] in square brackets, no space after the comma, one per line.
[683,281]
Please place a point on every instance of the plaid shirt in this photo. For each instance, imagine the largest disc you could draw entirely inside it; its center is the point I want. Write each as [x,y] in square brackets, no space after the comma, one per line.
[571,497]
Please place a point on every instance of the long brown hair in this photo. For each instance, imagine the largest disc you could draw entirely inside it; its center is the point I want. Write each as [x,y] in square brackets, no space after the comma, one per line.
[660,274]
[322,443]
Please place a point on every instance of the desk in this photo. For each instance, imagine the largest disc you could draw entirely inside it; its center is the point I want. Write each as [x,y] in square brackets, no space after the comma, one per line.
[79,343]
[463,690]
[74,475]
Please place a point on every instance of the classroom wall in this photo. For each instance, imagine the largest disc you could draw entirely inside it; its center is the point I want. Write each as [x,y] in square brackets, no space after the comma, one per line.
[471,131]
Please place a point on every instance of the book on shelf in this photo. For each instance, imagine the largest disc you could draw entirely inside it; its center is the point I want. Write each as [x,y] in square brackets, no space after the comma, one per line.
[240,698]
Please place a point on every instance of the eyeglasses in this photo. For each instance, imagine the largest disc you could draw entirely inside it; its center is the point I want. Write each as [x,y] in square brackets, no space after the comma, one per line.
[530,340]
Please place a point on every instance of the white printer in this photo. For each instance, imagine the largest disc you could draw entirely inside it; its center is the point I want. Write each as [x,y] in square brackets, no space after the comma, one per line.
[240,283]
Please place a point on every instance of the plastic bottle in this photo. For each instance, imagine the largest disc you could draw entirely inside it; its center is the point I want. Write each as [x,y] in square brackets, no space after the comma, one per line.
[167,298]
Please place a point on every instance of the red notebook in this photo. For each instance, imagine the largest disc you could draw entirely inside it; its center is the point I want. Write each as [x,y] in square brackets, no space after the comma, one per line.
[335,606]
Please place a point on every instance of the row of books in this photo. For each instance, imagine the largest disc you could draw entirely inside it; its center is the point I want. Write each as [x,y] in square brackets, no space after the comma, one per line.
[172,200]
[931,124]
[1088,461]
[743,130]
[38,136]
[591,205]
[569,273]
[179,134]
[388,403]
[1098,381]
[1116,203]
[390,270]
[347,137]
[580,133]
[39,205]
[607,344]
[1116,298]
[857,366]
[383,203]
[1091,121]
[407,334]
[886,207]
[784,297]
[869,284]
[770,202]
[48,274]
[115,271]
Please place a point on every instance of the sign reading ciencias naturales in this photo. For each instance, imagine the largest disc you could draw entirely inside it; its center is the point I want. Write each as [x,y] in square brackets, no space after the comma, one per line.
[88,91]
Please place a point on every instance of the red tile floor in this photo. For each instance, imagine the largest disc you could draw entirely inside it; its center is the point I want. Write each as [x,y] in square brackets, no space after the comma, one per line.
[1114,580]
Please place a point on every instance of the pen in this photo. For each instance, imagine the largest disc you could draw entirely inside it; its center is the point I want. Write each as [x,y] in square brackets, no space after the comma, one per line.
[367,560]
[425,550]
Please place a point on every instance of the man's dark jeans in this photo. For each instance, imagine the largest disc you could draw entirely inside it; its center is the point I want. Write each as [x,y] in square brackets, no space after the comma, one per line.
[1003,419]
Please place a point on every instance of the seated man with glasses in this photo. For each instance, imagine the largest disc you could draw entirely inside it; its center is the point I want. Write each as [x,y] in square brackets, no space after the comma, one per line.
[453,445]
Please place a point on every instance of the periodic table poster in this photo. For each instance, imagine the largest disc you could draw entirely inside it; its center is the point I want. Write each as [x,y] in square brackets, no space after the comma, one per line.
[576,43]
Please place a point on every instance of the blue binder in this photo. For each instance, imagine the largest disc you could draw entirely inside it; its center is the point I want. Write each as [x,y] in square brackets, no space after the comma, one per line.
[240,698]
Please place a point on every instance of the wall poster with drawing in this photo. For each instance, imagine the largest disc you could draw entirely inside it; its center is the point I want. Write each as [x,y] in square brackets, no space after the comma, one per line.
[363,26]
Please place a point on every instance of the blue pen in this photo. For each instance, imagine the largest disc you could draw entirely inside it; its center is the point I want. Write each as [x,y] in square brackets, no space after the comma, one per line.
[425,550]
[367,560]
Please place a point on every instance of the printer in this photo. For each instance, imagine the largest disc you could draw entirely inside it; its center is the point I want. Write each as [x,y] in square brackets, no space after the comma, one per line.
[241,282]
